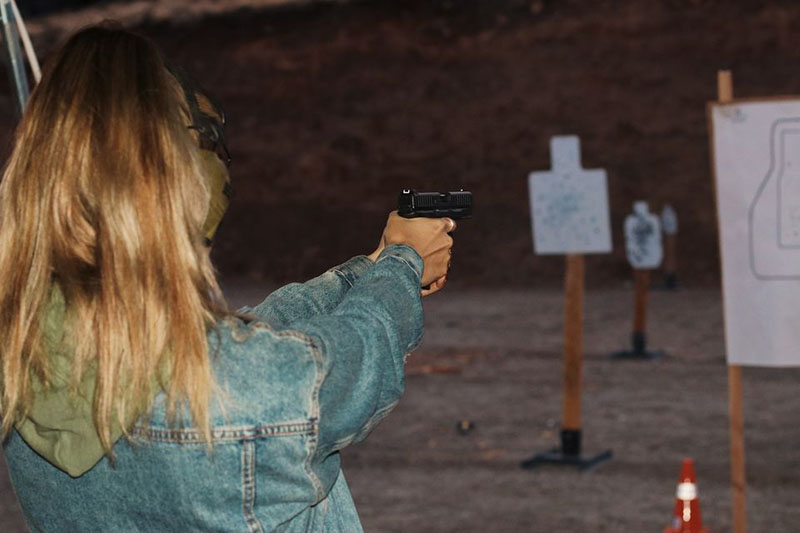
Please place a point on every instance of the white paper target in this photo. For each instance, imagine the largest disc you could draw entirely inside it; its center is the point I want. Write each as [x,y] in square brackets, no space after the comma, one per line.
[643,244]
[756,148]
[669,220]
[569,204]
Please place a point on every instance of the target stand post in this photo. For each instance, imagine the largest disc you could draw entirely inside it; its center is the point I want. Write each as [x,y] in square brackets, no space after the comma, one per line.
[669,225]
[569,453]
[645,251]
[639,336]
[670,260]
[570,214]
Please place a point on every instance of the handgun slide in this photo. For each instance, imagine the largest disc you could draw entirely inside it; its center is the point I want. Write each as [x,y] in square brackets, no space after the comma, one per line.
[455,205]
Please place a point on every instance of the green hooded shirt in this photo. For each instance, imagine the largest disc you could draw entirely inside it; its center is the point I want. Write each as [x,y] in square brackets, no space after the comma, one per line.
[59,425]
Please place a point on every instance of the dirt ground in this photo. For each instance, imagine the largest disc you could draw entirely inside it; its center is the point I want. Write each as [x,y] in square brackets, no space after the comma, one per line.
[416,473]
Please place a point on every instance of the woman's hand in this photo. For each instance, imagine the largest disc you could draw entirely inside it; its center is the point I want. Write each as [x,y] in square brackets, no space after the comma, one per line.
[436,286]
[429,237]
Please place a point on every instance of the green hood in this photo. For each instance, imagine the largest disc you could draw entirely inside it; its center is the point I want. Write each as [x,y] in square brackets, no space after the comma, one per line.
[59,426]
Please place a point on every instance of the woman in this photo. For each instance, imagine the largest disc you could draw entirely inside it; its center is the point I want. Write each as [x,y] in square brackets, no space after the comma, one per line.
[131,400]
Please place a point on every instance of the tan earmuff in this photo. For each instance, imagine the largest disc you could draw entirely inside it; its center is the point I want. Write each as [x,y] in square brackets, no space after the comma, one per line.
[208,120]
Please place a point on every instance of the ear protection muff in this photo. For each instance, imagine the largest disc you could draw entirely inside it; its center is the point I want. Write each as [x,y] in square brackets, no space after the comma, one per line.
[208,120]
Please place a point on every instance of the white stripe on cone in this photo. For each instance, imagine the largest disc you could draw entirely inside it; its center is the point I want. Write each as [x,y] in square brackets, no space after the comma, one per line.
[686,491]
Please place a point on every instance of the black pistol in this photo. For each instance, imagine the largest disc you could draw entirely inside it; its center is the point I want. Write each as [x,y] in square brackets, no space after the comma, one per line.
[455,205]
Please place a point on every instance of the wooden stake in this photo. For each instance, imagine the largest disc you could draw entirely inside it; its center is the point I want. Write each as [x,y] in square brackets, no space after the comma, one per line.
[573,340]
[735,412]
[642,286]
[570,452]
[738,481]
[670,255]
[724,86]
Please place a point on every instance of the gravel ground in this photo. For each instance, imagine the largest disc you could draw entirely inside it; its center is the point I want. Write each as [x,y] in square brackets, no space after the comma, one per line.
[417,473]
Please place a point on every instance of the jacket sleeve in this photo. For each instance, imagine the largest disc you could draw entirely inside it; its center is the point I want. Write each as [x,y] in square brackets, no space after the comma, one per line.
[320,295]
[361,347]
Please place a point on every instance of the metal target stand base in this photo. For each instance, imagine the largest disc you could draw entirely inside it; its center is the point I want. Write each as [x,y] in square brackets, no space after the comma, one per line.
[568,455]
[639,350]
[669,284]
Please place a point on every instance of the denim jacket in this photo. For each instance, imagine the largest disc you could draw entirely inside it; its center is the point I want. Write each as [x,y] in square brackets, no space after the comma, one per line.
[319,368]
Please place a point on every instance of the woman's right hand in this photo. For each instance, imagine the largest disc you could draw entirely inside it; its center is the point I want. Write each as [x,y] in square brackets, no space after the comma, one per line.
[429,237]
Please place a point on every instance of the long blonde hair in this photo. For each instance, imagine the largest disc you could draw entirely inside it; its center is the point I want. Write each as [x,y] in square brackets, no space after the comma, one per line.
[104,196]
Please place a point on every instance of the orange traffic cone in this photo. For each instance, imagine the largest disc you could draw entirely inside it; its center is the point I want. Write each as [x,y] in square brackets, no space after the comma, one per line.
[687,504]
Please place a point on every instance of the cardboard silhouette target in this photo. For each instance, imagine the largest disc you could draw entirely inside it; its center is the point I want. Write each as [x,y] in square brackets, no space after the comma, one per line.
[569,208]
[643,238]
[756,155]
[669,220]
[569,204]
[645,251]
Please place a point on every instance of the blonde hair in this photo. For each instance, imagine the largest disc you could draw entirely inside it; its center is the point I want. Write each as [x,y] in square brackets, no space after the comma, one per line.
[104,197]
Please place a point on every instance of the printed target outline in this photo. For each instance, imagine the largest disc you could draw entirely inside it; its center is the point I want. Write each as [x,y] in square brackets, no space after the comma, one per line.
[773,162]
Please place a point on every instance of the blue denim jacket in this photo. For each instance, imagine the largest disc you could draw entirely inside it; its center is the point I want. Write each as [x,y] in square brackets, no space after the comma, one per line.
[322,365]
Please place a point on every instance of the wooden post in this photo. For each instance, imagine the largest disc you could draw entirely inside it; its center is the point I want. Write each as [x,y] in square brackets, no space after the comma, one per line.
[737,447]
[724,86]
[573,340]
[641,287]
[670,260]
[641,291]
[570,451]
[735,412]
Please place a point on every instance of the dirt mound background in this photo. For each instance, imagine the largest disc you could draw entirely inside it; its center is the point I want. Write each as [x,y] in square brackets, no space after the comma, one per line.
[335,108]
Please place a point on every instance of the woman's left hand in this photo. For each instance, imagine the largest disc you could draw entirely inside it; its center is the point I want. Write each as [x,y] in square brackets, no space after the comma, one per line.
[436,286]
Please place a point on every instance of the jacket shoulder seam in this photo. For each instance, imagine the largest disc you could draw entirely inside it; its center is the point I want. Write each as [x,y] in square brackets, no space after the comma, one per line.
[280,333]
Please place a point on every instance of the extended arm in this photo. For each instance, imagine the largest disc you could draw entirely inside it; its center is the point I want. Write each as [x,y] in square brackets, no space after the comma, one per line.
[362,346]
[320,295]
